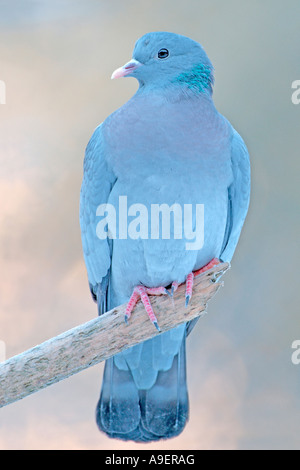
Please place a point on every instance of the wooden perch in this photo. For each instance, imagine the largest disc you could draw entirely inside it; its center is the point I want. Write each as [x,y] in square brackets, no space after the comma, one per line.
[101,338]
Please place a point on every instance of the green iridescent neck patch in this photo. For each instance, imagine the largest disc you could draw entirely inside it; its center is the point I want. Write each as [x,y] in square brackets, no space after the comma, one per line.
[199,78]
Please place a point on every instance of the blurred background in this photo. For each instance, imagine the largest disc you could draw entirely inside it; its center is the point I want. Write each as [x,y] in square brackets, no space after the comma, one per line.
[56,59]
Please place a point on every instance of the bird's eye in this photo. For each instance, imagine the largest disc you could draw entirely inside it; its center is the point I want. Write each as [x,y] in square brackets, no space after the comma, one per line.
[163,53]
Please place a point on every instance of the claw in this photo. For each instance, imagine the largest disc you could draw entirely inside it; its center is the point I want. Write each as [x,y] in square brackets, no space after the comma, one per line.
[174,287]
[141,292]
[211,264]
[131,304]
[190,279]
[189,285]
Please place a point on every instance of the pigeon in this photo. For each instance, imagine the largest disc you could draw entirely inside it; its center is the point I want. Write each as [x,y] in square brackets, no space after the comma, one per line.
[167,147]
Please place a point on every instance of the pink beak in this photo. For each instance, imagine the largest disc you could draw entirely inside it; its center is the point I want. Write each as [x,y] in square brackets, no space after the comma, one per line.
[126,69]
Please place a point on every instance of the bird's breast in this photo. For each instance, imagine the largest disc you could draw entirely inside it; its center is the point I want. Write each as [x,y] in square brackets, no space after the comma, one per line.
[145,140]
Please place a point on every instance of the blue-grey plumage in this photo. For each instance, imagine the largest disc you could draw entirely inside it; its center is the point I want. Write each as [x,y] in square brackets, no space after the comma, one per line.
[168,144]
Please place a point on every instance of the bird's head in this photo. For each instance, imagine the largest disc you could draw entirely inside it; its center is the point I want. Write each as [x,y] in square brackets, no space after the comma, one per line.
[162,59]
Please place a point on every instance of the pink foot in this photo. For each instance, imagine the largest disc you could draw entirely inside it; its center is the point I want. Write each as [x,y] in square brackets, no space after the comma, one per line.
[190,280]
[211,264]
[141,292]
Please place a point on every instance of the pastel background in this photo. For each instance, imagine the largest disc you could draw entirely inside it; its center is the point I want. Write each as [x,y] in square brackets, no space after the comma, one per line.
[56,59]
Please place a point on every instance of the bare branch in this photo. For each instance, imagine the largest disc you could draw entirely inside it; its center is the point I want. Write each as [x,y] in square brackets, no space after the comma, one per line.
[100,338]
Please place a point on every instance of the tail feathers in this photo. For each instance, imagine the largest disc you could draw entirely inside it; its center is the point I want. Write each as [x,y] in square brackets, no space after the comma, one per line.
[127,413]
[118,408]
